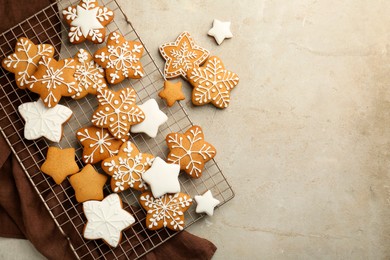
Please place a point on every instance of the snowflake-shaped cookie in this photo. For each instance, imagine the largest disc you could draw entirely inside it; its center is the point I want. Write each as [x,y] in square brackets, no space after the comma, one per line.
[190,151]
[88,74]
[127,168]
[120,58]
[166,211]
[24,61]
[54,79]
[87,21]
[98,144]
[117,111]
[182,55]
[212,83]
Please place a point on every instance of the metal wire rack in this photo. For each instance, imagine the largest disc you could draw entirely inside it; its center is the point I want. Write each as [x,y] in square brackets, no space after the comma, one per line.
[60,199]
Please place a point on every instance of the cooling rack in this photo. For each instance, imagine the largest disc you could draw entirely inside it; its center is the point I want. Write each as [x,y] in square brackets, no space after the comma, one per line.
[60,199]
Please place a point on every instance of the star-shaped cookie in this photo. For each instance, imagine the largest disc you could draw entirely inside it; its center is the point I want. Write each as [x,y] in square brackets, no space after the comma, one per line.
[182,55]
[190,151]
[87,21]
[166,211]
[206,203]
[154,118]
[220,31]
[212,83]
[117,111]
[120,58]
[88,184]
[60,163]
[88,74]
[24,61]
[106,219]
[43,121]
[172,92]
[127,167]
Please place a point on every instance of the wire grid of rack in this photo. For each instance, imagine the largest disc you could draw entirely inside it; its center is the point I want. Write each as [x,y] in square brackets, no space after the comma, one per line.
[60,199]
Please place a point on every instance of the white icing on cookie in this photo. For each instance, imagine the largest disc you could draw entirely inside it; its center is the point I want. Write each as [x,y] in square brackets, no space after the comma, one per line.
[220,31]
[43,121]
[154,118]
[162,177]
[206,203]
[86,20]
[106,219]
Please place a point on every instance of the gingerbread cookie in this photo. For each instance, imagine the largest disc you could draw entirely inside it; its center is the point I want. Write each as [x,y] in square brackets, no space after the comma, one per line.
[212,83]
[182,55]
[172,92]
[190,151]
[87,21]
[166,211]
[106,219]
[88,75]
[88,184]
[98,144]
[220,31]
[206,203]
[117,111]
[120,58]
[60,163]
[24,61]
[126,169]
[54,79]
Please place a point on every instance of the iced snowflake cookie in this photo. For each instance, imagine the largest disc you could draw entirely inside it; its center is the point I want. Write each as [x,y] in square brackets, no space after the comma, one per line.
[42,121]
[88,75]
[54,79]
[87,21]
[127,167]
[172,92]
[60,163]
[106,219]
[98,144]
[117,111]
[212,83]
[182,55]
[120,58]
[190,151]
[24,61]
[166,211]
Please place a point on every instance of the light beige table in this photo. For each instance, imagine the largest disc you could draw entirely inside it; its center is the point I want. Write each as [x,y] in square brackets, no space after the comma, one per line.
[305,142]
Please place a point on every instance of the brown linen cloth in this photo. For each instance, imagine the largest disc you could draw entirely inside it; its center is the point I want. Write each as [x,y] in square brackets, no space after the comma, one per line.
[22,213]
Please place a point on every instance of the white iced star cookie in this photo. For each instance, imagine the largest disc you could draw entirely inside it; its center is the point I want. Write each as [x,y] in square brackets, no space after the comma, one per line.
[154,118]
[106,219]
[220,31]
[43,121]
[206,203]
[87,21]
[162,177]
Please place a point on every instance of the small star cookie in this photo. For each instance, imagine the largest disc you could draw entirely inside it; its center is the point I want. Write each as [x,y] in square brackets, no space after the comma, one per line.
[87,21]
[24,61]
[60,163]
[120,58]
[172,92]
[206,203]
[220,31]
[182,55]
[190,151]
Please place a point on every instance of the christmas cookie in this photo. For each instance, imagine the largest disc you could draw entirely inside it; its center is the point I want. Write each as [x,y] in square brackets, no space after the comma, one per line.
[54,79]
[182,55]
[206,203]
[88,184]
[60,163]
[24,61]
[212,83]
[190,151]
[166,211]
[117,111]
[43,121]
[87,21]
[172,92]
[220,31]
[88,75]
[127,167]
[98,144]
[106,219]
[154,118]
[120,58]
